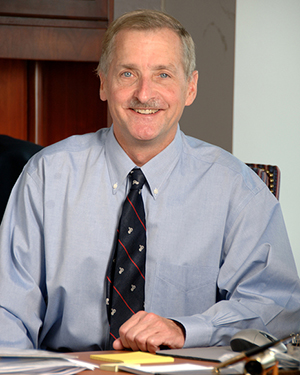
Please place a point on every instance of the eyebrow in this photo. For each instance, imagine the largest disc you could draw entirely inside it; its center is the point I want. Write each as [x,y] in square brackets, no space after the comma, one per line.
[170,67]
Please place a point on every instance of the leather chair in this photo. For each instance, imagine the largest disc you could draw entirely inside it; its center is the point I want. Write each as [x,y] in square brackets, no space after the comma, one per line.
[14,154]
[270,174]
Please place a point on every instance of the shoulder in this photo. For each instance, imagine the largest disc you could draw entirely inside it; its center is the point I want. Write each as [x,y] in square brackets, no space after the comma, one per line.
[78,143]
[77,148]
[221,165]
[70,159]
[206,153]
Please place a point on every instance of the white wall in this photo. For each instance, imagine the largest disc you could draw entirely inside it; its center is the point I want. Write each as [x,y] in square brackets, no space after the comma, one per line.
[266,127]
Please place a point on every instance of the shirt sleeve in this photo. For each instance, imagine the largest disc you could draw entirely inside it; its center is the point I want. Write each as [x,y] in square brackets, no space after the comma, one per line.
[22,293]
[257,286]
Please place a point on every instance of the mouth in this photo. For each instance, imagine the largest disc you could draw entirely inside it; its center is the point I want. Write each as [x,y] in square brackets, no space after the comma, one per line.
[146,111]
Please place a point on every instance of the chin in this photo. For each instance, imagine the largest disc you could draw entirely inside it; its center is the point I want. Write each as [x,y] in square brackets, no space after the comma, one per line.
[145,134]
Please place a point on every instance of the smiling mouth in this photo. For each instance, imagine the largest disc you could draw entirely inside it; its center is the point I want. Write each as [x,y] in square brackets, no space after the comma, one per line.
[146,111]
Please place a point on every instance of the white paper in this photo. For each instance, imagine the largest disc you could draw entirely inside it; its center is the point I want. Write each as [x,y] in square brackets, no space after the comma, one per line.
[40,362]
[32,353]
[167,368]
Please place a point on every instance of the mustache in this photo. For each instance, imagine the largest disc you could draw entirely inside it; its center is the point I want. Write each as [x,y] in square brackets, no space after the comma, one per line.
[152,103]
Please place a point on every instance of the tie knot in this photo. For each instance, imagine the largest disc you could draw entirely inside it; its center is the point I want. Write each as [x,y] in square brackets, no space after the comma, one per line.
[137,178]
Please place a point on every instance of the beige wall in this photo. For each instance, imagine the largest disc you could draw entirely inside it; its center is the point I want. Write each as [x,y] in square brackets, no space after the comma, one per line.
[212,26]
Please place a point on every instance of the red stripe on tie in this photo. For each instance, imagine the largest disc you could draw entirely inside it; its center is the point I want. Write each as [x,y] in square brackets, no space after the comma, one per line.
[131,259]
[123,299]
[120,296]
[113,335]
[136,213]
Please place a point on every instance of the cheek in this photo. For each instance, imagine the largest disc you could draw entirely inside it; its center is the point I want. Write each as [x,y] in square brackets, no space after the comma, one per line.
[176,99]
[120,95]
[174,93]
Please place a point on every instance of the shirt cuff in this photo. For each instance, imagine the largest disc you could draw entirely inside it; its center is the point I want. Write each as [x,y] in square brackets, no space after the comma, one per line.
[197,331]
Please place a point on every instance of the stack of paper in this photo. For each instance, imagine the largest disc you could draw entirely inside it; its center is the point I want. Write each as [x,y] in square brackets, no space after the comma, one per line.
[133,357]
[40,362]
[166,369]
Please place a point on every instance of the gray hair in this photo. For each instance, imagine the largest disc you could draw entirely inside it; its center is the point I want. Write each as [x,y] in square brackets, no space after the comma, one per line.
[147,20]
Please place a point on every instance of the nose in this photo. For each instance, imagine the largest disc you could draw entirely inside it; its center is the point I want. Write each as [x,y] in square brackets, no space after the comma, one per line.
[144,90]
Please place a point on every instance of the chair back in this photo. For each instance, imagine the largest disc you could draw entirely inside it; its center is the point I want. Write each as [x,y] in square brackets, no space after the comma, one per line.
[14,154]
[270,174]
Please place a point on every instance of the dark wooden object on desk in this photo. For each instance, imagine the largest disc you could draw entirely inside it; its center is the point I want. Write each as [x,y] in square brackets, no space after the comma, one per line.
[48,55]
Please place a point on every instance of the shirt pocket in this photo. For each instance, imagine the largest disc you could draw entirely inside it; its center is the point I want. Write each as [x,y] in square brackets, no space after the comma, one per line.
[183,290]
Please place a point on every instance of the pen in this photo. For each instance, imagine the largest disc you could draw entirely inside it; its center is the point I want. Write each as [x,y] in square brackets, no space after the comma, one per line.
[251,352]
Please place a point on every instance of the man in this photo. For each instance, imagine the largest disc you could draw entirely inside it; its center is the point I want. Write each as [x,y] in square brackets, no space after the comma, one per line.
[217,256]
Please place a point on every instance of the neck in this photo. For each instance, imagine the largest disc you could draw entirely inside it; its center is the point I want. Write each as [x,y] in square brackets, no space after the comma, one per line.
[141,155]
[141,151]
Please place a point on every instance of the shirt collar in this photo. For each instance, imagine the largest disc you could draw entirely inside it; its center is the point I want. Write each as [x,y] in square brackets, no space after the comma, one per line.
[118,162]
[156,171]
[159,168]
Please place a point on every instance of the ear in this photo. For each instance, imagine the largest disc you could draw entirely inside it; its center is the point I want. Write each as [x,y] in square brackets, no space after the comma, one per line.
[192,88]
[102,91]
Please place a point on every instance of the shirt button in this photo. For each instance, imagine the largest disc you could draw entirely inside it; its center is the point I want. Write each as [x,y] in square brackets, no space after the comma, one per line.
[155,191]
[115,185]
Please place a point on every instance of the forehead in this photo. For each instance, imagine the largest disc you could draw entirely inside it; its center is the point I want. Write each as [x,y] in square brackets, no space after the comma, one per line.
[159,44]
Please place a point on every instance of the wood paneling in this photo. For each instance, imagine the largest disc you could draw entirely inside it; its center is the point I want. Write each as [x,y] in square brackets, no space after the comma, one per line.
[70,102]
[49,51]
[87,9]
[53,29]
[13,98]
[50,43]
[47,101]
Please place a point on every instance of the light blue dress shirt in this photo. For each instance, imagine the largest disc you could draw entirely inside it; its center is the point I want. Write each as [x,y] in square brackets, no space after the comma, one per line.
[218,256]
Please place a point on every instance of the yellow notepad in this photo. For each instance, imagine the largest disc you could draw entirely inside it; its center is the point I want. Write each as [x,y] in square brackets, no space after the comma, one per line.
[133,357]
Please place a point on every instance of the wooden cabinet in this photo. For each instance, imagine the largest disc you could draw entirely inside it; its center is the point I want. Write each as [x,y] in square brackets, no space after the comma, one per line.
[49,50]
[13,98]
[80,9]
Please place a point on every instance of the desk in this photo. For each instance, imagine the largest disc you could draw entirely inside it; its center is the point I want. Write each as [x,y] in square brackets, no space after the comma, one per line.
[85,356]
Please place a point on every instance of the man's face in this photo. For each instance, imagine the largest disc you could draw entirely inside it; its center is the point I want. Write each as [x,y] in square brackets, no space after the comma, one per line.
[146,87]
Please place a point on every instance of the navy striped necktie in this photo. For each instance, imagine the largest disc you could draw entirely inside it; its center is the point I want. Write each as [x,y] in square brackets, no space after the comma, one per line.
[126,274]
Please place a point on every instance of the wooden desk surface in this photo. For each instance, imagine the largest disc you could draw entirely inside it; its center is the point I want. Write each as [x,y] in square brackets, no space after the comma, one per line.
[85,356]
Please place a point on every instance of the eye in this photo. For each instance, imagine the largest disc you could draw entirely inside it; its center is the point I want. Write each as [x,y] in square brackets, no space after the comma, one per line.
[127,74]
[164,75]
